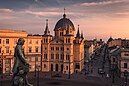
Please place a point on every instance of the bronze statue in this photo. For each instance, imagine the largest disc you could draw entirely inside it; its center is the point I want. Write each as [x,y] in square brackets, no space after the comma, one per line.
[21,67]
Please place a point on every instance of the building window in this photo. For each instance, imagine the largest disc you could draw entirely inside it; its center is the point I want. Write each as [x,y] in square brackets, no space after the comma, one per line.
[0,50]
[45,66]
[45,56]
[36,58]
[114,59]
[7,49]
[52,56]
[52,48]
[68,40]
[126,54]
[77,66]
[67,57]
[62,48]
[7,61]
[37,41]
[0,41]
[45,48]
[61,33]
[125,65]
[66,67]
[36,49]
[57,56]
[30,49]
[7,41]
[30,42]
[44,40]
[57,48]
[62,56]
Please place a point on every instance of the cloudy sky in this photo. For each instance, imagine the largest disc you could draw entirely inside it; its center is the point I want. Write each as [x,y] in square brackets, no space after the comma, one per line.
[97,18]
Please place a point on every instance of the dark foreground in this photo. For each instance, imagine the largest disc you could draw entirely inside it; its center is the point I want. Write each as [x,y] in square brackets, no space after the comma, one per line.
[55,82]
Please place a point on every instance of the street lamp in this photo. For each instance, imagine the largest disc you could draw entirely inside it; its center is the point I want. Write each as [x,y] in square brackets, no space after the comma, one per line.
[126,77]
[38,76]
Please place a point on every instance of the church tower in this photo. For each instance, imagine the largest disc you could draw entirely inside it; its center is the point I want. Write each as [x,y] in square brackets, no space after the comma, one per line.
[46,38]
[79,51]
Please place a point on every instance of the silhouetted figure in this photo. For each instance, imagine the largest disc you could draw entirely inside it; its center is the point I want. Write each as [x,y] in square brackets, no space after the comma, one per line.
[21,67]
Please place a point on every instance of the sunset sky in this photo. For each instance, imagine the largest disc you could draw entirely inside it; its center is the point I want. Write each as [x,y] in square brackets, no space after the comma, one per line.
[97,18]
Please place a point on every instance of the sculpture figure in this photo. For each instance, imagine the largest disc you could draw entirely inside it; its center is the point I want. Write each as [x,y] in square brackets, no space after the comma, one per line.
[21,67]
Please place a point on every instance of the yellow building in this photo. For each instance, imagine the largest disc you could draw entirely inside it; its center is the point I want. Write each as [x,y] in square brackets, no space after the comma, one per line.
[8,41]
[62,52]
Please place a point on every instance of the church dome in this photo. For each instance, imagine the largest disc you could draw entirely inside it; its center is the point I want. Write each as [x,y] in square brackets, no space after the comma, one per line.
[63,23]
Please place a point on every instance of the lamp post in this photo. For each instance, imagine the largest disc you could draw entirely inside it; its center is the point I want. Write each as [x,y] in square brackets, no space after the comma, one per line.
[38,76]
[126,77]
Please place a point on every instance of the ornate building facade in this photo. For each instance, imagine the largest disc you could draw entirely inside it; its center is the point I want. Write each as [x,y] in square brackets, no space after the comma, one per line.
[62,52]
[8,41]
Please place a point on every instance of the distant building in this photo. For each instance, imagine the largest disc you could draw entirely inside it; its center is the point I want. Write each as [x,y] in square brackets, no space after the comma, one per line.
[62,51]
[118,42]
[8,41]
[120,60]
[91,47]
[88,49]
